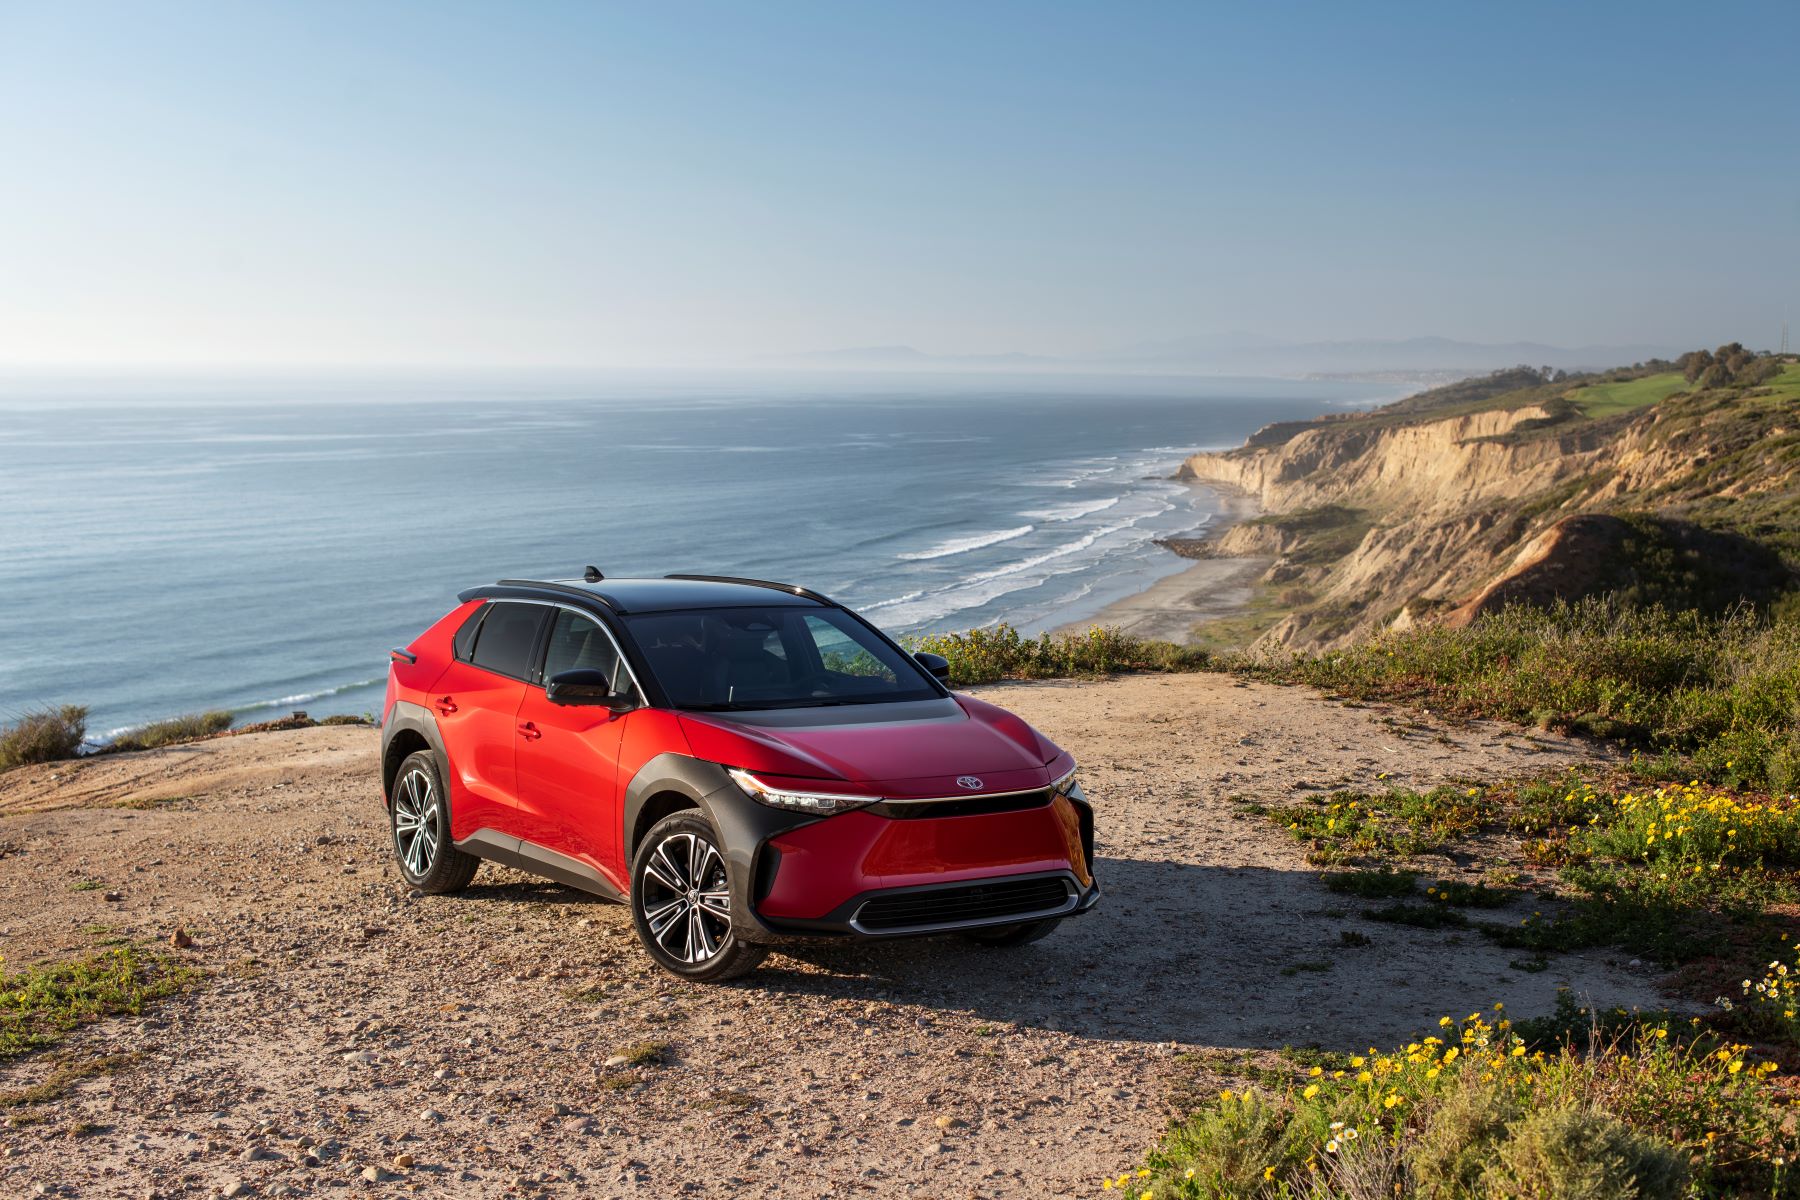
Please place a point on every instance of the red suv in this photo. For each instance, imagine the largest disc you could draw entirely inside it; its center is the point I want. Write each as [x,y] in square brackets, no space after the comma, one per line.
[744,762]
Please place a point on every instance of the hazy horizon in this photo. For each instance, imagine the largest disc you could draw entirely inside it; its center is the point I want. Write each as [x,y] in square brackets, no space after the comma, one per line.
[570,187]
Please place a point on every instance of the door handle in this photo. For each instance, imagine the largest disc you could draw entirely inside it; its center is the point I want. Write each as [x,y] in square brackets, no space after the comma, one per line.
[445,705]
[529,732]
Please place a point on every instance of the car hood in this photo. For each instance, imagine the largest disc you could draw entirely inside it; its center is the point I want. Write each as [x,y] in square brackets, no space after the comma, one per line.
[876,743]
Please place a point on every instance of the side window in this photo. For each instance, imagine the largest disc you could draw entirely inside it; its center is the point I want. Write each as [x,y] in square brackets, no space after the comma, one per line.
[578,642]
[465,636]
[507,638]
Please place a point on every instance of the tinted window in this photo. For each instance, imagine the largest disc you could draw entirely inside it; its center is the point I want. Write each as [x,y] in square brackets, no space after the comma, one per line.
[507,638]
[577,643]
[465,637]
[725,658]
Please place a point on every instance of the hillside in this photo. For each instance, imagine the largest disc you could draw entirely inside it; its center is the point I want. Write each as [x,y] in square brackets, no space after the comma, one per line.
[1668,482]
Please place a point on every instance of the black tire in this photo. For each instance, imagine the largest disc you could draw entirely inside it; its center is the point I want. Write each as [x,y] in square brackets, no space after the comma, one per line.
[419,826]
[681,902]
[1022,934]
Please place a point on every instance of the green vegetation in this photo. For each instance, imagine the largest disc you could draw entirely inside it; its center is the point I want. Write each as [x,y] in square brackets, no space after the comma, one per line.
[646,1054]
[63,1075]
[1326,533]
[1381,884]
[1649,1110]
[39,1006]
[1392,824]
[988,655]
[46,735]
[1722,693]
[174,729]
[1604,399]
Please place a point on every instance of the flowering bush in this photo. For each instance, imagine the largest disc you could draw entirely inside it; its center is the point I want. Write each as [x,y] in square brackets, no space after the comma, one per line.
[1651,1109]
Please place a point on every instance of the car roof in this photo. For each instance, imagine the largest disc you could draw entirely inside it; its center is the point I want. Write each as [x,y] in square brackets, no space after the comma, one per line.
[660,595]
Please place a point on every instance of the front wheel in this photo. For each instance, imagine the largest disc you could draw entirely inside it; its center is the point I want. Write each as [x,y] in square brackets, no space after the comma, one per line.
[1024,933]
[681,902]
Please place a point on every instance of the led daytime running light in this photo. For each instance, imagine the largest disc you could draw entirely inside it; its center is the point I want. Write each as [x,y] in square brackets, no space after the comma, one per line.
[820,803]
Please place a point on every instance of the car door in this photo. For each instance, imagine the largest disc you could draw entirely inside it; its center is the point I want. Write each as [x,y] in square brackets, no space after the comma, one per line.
[476,703]
[568,755]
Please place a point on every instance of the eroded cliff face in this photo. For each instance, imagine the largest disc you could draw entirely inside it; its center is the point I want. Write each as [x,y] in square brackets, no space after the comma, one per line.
[1436,465]
[1377,522]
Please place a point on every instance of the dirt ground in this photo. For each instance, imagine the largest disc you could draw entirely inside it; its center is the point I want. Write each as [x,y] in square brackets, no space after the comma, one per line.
[350,1040]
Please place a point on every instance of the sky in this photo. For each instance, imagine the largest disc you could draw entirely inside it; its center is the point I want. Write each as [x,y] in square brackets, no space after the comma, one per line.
[455,184]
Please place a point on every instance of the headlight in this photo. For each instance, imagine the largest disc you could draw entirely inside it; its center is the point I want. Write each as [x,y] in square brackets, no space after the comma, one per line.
[1066,786]
[818,803]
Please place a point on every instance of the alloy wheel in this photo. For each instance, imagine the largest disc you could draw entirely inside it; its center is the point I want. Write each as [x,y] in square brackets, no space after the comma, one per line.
[685,899]
[416,822]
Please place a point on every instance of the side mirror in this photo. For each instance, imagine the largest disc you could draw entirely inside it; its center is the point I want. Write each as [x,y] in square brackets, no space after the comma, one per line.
[936,664]
[585,686]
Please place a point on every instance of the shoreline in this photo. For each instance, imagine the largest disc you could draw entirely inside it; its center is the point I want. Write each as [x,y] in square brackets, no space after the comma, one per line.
[1211,588]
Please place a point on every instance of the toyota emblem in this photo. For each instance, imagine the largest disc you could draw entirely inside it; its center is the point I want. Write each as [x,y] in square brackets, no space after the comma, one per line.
[970,782]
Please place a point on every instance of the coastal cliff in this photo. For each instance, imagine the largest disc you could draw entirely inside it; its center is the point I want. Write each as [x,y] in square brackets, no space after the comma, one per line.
[1521,488]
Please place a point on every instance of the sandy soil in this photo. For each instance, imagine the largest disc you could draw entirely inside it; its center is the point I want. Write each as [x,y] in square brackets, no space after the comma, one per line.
[344,1025]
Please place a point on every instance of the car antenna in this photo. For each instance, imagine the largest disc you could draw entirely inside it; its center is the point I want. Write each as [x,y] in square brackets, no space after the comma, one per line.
[591,574]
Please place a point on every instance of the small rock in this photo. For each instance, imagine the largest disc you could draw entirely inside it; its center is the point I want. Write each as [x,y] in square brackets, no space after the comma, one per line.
[948,1122]
[431,1114]
[937,1148]
[403,1161]
[114,897]
[374,1174]
[309,1160]
[257,1154]
[359,1056]
[239,1188]
[617,1060]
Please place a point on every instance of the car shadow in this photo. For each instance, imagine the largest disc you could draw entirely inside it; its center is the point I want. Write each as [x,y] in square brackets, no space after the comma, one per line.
[1214,956]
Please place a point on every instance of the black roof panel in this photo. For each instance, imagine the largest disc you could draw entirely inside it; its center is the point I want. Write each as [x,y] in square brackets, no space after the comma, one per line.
[661,595]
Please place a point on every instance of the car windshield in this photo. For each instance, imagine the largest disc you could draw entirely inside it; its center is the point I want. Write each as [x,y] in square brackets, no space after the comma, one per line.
[718,659]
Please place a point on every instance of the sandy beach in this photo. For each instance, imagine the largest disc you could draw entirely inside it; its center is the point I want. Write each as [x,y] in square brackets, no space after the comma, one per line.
[1211,588]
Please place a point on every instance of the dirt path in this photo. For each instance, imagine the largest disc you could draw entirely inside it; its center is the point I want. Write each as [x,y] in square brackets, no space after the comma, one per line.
[344,1025]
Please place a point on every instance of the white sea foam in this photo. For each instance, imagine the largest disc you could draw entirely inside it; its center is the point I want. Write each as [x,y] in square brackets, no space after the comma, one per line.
[963,545]
[1071,512]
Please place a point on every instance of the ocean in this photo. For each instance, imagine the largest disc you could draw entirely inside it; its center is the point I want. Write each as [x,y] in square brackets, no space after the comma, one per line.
[257,546]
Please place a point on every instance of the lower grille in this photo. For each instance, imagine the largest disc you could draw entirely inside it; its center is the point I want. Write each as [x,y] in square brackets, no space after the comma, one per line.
[951,906]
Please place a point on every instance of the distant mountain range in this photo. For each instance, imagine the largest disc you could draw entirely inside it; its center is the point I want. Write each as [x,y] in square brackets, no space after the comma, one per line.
[1245,354]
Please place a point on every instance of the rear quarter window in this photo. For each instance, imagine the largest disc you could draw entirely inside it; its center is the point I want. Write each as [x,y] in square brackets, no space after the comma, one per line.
[465,636]
[508,637]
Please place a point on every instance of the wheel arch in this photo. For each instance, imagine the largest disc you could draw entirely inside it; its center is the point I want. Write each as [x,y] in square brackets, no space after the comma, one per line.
[407,730]
[666,784]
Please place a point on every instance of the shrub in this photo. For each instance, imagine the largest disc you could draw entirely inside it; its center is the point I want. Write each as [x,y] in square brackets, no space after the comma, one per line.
[1001,652]
[1457,1138]
[1578,1154]
[1228,1146]
[47,735]
[175,729]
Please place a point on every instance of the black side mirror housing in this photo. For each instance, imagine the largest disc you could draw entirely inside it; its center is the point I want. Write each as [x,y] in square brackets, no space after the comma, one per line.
[936,664]
[585,686]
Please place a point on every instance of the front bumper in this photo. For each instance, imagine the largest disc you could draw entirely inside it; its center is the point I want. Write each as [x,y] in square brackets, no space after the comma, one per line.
[871,874]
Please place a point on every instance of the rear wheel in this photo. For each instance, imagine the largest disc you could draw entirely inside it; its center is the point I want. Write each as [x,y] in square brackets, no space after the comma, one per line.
[1024,933]
[681,902]
[419,819]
